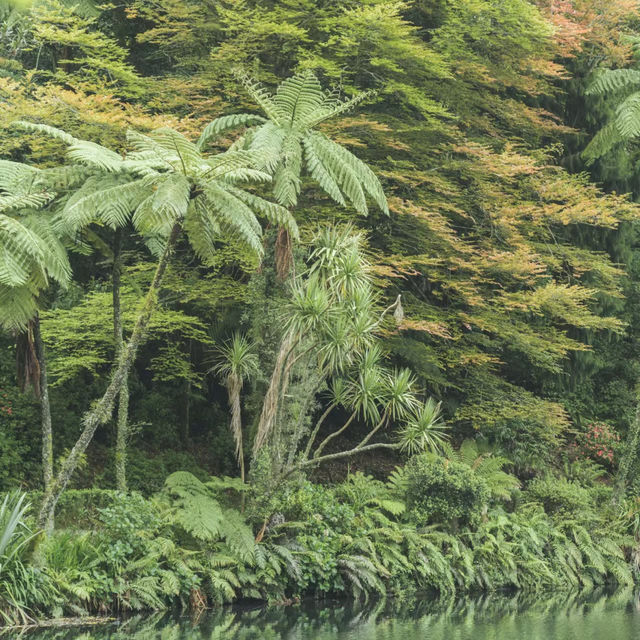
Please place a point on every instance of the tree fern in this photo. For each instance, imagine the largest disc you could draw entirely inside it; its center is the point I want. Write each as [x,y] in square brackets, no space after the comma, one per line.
[289,142]
[623,86]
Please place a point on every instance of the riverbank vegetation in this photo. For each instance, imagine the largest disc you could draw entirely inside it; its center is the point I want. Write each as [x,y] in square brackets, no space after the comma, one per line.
[305,300]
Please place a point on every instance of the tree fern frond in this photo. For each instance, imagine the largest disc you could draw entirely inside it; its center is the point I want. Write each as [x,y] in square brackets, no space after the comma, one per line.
[261,97]
[348,168]
[91,153]
[17,305]
[174,142]
[111,200]
[274,213]
[610,80]
[299,96]
[232,214]
[627,118]
[225,123]
[20,252]
[286,181]
[320,173]
[171,198]
[52,132]
[332,108]
[15,176]
[24,201]
[604,140]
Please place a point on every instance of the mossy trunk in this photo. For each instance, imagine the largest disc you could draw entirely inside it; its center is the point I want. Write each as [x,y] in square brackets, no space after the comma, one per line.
[123,395]
[103,408]
[45,415]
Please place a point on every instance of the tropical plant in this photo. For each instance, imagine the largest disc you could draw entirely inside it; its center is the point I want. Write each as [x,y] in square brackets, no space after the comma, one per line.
[23,587]
[289,142]
[238,362]
[624,125]
[164,186]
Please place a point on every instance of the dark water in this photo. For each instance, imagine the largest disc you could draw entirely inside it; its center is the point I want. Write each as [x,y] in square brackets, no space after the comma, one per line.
[596,617]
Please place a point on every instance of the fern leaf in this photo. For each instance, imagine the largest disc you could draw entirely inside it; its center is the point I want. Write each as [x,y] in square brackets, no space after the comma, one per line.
[611,80]
[225,123]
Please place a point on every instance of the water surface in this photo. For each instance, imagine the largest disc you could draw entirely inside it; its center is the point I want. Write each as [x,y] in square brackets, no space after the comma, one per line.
[595,617]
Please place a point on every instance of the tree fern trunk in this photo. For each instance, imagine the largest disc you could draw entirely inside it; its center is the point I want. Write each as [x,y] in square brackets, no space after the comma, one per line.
[103,408]
[45,415]
[123,395]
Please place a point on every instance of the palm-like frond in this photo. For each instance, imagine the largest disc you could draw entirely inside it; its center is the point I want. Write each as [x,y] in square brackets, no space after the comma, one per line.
[166,180]
[225,123]
[624,125]
[291,143]
[30,255]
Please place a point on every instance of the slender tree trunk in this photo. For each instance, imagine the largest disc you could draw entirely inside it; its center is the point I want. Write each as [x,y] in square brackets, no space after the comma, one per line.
[123,395]
[314,434]
[45,415]
[103,408]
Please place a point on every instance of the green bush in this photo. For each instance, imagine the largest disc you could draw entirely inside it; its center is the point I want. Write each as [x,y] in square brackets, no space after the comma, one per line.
[445,491]
[561,498]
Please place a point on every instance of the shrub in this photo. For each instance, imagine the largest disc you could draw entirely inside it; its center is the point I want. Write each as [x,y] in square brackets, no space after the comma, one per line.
[599,442]
[440,490]
[561,497]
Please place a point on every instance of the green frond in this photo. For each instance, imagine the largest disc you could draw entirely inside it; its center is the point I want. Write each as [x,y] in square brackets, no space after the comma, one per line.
[110,199]
[82,151]
[232,214]
[17,306]
[299,96]
[274,213]
[225,123]
[320,173]
[261,97]
[175,143]
[16,177]
[21,252]
[627,117]
[171,198]
[332,108]
[349,172]
[610,80]
[202,230]
[52,132]
[24,201]
[286,180]
[604,140]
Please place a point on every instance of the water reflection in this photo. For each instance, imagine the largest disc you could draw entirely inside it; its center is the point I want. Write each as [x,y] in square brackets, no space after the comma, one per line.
[598,616]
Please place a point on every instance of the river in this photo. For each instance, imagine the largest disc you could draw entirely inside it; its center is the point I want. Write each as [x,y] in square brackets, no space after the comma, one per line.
[534,617]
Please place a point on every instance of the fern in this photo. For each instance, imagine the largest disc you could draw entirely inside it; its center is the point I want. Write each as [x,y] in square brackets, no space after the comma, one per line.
[610,80]
[225,123]
[288,142]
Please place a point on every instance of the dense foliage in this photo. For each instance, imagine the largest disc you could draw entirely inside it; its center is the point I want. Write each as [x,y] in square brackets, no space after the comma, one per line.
[372,258]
